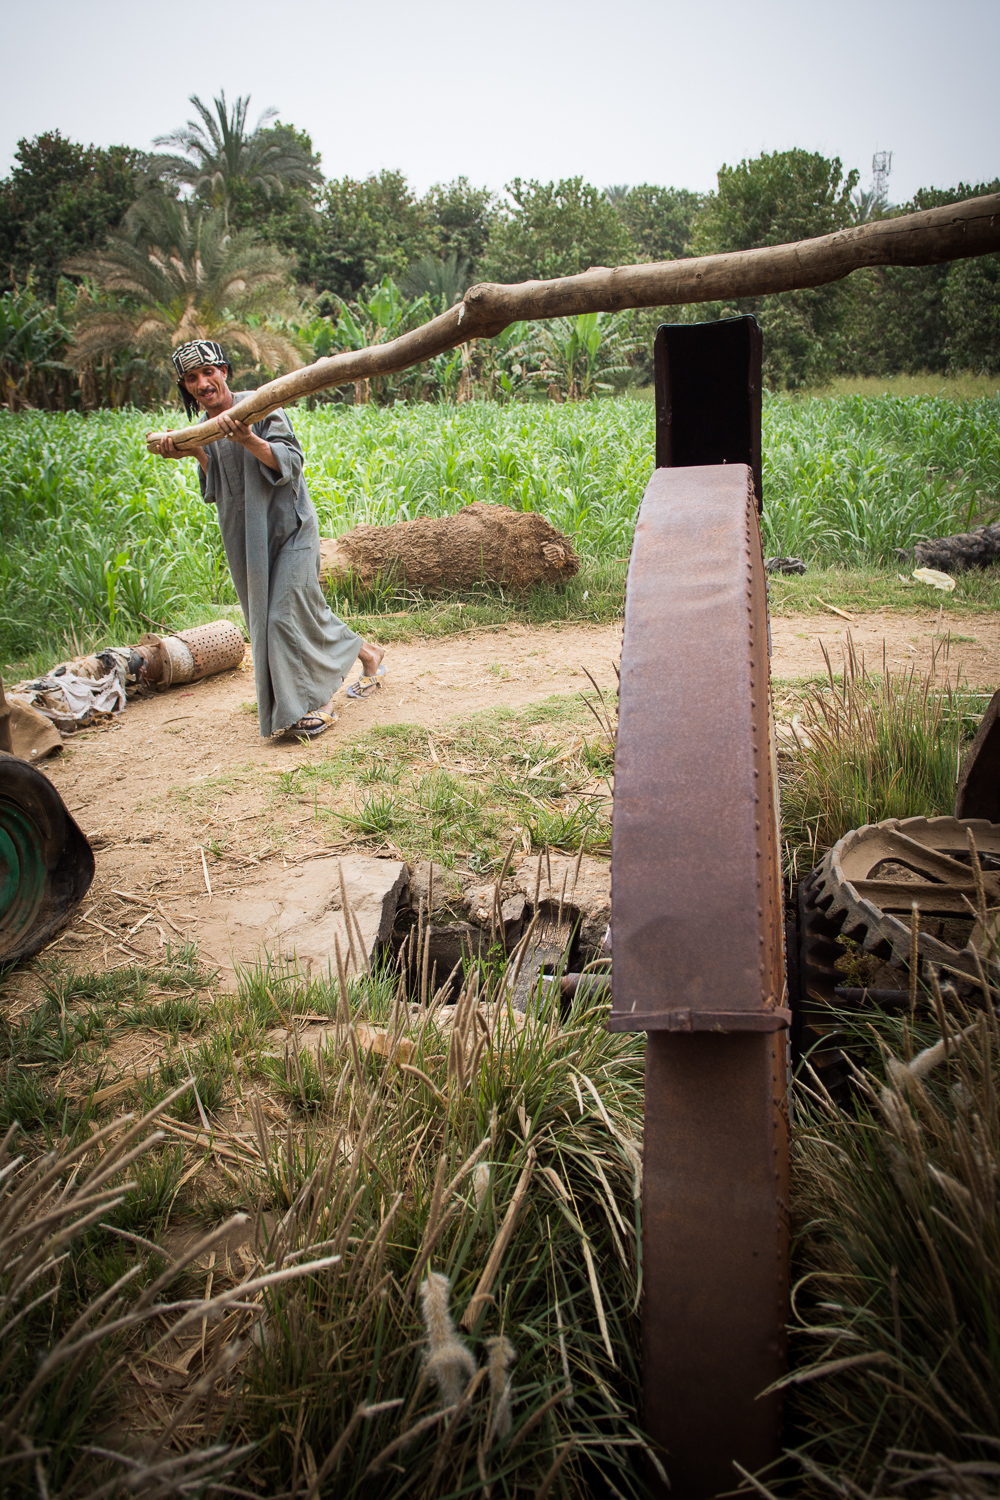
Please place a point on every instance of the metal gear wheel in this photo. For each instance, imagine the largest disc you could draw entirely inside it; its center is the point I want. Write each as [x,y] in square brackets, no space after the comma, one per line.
[873,877]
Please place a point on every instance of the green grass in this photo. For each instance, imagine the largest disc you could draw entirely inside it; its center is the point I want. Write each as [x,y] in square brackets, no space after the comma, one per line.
[180,970]
[596,596]
[172,1015]
[299,1077]
[64,1035]
[51,1034]
[394,1171]
[538,776]
[100,538]
[865,588]
[965,387]
[869,746]
[36,1103]
[156,1178]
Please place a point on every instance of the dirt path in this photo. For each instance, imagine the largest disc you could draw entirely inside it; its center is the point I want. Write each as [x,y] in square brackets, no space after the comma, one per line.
[973,647]
[188,767]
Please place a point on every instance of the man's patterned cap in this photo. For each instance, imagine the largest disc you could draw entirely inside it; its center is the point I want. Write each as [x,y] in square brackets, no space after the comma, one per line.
[198,352]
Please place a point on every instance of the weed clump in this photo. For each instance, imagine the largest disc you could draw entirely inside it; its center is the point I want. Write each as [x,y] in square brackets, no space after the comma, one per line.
[410,1308]
[897,1314]
[870,747]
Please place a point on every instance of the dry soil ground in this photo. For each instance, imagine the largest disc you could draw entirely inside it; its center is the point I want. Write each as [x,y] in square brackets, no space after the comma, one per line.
[188,768]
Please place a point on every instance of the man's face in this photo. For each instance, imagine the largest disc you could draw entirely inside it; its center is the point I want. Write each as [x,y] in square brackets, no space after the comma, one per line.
[208,386]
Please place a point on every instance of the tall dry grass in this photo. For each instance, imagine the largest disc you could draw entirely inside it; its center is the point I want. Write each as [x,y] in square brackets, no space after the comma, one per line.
[64,1352]
[896,1309]
[479,1330]
[438,1296]
[871,745]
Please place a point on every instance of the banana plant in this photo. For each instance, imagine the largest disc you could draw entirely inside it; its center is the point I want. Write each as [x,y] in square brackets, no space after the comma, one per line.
[33,337]
[577,357]
[375,318]
[381,315]
[505,365]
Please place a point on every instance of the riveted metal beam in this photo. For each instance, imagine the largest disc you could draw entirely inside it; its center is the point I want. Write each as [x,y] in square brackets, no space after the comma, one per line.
[697,938]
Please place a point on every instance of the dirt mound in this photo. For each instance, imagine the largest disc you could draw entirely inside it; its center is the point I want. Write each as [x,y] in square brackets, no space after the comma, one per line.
[491,542]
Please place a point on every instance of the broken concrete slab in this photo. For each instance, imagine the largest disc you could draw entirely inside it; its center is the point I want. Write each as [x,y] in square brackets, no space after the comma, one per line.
[452,943]
[584,890]
[296,915]
[445,886]
[480,902]
[512,916]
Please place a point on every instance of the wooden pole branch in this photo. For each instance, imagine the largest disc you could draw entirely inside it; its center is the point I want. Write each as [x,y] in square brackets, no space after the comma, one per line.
[955,232]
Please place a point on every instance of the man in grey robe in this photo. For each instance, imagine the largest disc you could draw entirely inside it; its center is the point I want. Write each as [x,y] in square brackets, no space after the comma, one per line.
[301,651]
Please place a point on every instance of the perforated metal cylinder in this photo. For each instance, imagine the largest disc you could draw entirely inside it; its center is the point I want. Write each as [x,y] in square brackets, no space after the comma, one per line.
[178,662]
[46,863]
[217,647]
[189,655]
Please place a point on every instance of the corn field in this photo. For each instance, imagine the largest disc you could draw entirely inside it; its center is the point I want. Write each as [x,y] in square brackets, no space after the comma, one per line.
[100,536]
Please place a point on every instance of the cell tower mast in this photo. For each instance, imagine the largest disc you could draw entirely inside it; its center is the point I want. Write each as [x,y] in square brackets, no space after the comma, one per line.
[881,167]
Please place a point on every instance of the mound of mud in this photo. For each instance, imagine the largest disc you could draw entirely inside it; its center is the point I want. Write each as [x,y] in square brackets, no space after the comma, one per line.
[482,543]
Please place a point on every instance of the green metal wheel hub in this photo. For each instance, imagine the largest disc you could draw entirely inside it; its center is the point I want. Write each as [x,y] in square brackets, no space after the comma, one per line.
[46,863]
[22,869]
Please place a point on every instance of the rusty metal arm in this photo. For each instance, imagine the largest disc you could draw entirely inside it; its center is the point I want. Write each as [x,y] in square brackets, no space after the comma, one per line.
[928,238]
[697,919]
[697,940]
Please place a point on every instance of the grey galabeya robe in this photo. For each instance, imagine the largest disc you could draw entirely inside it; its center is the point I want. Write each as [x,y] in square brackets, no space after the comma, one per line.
[301,651]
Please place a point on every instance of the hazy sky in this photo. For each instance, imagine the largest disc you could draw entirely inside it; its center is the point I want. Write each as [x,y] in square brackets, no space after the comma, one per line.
[621,91]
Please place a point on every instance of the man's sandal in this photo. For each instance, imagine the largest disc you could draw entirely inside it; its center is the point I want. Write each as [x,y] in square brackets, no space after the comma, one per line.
[365,686]
[310,725]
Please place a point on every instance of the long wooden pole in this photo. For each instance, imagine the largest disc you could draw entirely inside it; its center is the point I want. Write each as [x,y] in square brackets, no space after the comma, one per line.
[954,232]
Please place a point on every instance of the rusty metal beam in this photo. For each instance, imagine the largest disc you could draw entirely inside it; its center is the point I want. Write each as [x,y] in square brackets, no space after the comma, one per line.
[696,898]
[708,395]
[714,1254]
[697,936]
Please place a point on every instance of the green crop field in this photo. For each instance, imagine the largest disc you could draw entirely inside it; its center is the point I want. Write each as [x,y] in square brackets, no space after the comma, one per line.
[99,539]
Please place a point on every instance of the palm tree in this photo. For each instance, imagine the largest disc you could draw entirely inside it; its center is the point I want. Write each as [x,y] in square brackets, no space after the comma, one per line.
[219,152]
[174,272]
[864,206]
[617,192]
[445,280]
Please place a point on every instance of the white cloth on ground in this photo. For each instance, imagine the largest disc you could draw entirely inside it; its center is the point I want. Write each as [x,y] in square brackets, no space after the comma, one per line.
[72,698]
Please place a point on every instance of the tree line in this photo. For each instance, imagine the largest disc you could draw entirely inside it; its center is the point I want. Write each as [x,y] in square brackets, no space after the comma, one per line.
[109,256]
